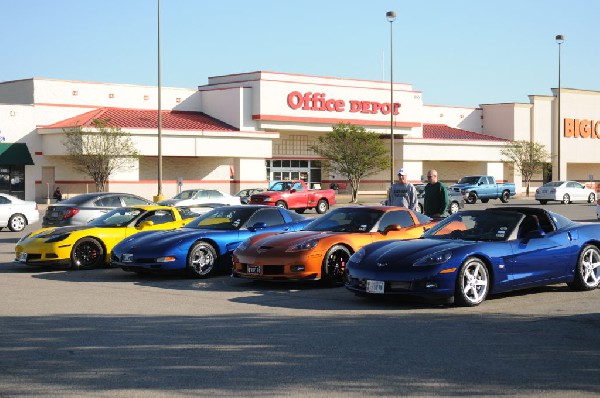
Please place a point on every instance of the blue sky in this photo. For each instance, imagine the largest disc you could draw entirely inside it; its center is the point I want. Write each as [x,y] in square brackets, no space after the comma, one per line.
[458,53]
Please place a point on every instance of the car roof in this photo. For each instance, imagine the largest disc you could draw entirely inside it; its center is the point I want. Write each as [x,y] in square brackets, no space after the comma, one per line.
[86,197]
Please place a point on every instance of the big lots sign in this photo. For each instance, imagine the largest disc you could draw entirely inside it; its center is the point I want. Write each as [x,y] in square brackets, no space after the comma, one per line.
[584,128]
[310,101]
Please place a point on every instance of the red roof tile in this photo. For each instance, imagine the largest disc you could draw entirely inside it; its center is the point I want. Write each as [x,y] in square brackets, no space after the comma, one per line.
[146,119]
[444,132]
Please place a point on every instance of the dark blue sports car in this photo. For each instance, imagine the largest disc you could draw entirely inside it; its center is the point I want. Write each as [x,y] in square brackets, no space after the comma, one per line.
[204,244]
[475,253]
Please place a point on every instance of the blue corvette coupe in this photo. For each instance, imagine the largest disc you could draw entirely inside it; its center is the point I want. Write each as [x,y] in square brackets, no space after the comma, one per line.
[475,253]
[204,244]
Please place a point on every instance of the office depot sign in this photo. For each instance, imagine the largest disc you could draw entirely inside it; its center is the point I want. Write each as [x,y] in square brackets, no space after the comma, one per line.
[310,101]
[584,128]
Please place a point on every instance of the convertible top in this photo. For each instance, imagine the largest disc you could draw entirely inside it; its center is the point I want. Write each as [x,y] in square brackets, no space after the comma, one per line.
[543,215]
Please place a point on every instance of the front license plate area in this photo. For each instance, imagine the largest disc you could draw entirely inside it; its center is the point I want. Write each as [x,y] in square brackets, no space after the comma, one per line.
[254,269]
[22,257]
[126,258]
[377,287]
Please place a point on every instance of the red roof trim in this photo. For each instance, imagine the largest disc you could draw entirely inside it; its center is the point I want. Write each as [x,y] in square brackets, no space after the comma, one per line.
[445,132]
[145,118]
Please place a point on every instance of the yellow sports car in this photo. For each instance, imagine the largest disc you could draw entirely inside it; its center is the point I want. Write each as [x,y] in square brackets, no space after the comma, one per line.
[90,245]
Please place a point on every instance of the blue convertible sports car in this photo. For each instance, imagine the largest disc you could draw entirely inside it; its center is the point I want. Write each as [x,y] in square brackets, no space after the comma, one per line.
[475,253]
[204,244]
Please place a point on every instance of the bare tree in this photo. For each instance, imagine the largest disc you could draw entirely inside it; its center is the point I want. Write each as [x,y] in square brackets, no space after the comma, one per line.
[100,151]
[353,152]
[528,158]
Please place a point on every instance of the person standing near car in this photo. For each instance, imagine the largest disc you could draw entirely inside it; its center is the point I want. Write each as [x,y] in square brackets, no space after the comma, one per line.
[402,193]
[436,196]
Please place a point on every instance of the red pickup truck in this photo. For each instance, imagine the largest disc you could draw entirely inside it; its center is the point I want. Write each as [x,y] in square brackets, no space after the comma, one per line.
[294,194]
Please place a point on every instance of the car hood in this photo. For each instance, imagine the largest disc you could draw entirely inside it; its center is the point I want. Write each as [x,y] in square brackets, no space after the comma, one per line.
[170,237]
[50,232]
[405,253]
[290,238]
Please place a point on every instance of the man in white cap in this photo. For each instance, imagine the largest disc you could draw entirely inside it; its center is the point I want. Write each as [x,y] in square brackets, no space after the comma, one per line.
[403,193]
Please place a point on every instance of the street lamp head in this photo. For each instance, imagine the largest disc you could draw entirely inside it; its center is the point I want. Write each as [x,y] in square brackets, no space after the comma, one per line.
[560,39]
[391,16]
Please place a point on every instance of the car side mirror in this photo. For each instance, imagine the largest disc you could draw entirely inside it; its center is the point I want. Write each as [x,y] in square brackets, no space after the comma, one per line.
[391,227]
[535,234]
[146,224]
[257,226]
[292,190]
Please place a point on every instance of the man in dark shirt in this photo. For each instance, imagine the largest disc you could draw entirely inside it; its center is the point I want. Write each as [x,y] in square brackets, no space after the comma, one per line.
[436,196]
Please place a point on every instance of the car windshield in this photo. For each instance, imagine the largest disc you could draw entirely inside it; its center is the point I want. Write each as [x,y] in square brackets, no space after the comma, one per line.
[222,218]
[281,186]
[469,180]
[117,218]
[189,194]
[476,225]
[346,219]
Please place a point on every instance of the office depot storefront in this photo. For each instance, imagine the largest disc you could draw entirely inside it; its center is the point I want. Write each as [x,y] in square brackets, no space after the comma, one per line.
[240,131]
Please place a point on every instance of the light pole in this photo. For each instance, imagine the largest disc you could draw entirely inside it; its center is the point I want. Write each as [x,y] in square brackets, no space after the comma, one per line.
[159,196]
[391,17]
[559,39]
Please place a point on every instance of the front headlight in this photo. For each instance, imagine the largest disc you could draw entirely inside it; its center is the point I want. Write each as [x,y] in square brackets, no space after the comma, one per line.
[306,245]
[358,256]
[25,237]
[268,199]
[57,238]
[243,246]
[464,191]
[433,259]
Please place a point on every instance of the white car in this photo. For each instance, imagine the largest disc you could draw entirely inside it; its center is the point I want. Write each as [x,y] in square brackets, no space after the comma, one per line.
[565,192]
[195,197]
[16,213]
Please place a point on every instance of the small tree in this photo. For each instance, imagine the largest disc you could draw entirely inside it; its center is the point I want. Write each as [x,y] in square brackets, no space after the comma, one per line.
[99,152]
[528,158]
[353,152]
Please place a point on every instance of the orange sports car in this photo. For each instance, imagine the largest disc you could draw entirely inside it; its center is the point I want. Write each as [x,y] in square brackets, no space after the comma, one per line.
[321,250]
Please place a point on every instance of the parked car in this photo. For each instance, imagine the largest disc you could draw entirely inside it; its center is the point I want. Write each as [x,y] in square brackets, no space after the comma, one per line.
[90,246]
[322,249]
[16,214]
[294,194]
[565,192]
[474,253]
[456,200]
[194,197]
[245,194]
[483,188]
[205,244]
[81,209]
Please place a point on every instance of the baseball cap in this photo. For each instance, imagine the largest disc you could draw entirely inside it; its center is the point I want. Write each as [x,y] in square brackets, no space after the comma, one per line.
[401,172]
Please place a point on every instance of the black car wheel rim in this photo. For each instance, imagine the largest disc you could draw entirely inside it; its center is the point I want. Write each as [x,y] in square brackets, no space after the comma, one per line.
[336,265]
[86,254]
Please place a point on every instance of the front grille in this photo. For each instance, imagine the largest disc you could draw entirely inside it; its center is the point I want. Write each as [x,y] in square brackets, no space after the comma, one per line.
[34,257]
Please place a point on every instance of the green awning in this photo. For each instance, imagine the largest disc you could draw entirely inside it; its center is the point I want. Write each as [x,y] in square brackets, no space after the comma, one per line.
[14,154]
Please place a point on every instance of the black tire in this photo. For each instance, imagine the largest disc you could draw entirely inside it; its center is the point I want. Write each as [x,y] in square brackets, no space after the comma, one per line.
[591,198]
[322,206]
[484,200]
[543,201]
[419,208]
[505,196]
[586,276]
[472,284]
[454,207]
[333,270]
[282,204]
[471,198]
[300,211]
[17,222]
[566,199]
[87,253]
[201,259]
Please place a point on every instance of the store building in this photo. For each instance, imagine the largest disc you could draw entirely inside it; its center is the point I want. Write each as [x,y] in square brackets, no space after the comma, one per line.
[240,131]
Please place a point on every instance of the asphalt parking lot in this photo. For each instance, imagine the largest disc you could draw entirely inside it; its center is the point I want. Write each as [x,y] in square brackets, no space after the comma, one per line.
[108,333]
